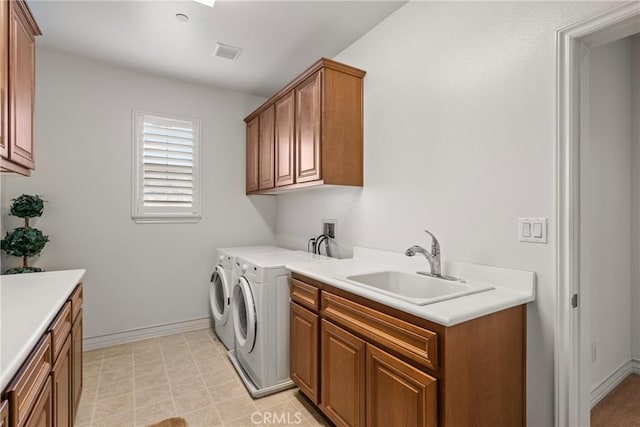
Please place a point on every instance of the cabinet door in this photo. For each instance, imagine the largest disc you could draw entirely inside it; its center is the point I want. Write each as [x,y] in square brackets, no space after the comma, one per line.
[266,148]
[62,387]
[4,78]
[76,364]
[4,414]
[397,393]
[42,414]
[285,137]
[343,376]
[308,115]
[253,133]
[304,351]
[21,85]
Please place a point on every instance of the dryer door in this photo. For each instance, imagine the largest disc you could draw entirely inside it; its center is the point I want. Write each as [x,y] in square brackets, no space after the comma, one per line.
[219,294]
[244,316]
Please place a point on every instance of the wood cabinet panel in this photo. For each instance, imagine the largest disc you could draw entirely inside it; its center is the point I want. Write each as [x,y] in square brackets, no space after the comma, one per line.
[253,142]
[411,341]
[76,364]
[308,116]
[303,357]
[61,376]
[24,390]
[398,394]
[42,414]
[343,376]
[4,79]
[266,149]
[4,414]
[77,299]
[21,84]
[59,329]
[342,128]
[493,391]
[285,140]
[305,295]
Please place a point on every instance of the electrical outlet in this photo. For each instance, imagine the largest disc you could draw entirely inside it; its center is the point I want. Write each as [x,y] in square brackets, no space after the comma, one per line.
[594,352]
[329,227]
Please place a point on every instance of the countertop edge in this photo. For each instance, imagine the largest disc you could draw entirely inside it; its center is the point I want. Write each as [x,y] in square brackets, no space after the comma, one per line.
[13,367]
[505,298]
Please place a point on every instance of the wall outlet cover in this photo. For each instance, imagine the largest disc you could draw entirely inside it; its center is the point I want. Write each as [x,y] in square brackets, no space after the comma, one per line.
[329,227]
[533,230]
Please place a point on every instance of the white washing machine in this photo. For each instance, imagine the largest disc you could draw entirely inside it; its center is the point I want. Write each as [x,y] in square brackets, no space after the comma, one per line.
[260,309]
[220,291]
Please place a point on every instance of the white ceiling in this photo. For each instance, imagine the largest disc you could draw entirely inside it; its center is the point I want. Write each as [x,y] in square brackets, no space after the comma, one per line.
[280,38]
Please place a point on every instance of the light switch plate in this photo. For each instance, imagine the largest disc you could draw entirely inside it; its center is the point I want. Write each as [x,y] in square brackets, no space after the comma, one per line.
[532,230]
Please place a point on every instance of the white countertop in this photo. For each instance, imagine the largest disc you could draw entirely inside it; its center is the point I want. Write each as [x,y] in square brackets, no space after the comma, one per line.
[28,305]
[511,287]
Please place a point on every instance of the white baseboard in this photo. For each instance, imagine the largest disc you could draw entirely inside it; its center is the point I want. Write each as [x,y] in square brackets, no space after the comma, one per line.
[616,377]
[102,341]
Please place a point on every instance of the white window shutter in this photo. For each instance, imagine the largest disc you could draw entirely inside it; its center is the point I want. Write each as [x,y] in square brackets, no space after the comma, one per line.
[166,160]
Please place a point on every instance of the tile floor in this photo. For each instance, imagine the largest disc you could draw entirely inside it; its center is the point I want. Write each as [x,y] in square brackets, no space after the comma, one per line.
[186,375]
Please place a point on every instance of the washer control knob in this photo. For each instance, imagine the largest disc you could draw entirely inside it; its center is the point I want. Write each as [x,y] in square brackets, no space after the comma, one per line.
[244,268]
[221,258]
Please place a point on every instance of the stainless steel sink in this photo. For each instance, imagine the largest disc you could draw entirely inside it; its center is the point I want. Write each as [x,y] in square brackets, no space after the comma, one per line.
[416,288]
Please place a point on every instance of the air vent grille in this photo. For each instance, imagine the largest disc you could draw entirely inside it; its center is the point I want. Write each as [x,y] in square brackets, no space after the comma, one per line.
[227,51]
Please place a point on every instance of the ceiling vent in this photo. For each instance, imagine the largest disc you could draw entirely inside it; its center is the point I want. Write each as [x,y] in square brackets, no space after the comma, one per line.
[227,51]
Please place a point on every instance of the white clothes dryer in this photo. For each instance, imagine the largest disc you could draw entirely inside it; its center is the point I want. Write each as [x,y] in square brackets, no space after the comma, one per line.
[260,309]
[220,291]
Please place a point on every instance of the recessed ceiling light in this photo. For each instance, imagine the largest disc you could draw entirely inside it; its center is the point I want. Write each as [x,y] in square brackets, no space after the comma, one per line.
[207,2]
[182,17]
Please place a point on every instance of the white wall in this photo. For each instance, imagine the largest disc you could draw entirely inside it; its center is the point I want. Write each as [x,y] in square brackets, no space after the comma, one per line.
[635,199]
[138,275]
[460,139]
[606,166]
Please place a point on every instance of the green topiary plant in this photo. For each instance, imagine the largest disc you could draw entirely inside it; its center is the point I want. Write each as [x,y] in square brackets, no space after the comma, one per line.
[24,241]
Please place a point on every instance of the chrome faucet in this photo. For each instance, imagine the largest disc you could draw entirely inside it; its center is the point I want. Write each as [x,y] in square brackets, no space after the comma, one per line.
[433,257]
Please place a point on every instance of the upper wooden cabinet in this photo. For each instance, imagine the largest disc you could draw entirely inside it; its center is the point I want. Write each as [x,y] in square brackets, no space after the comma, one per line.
[317,133]
[266,149]
[285,140]
[253,142]
[308,112]
[17,86]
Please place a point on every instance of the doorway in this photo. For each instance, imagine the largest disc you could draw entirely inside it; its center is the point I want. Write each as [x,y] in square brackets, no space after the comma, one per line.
[583,198]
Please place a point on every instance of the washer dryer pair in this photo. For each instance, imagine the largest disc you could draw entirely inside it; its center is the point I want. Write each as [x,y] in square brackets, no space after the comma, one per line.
[220,291]
[260,309]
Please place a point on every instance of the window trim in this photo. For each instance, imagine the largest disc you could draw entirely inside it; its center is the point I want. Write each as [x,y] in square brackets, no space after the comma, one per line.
[160,215]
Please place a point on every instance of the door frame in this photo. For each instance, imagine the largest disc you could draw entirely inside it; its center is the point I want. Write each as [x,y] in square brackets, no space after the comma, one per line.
[574,42]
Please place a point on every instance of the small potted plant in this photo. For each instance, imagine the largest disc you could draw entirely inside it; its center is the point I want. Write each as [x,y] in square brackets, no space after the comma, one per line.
[25,241]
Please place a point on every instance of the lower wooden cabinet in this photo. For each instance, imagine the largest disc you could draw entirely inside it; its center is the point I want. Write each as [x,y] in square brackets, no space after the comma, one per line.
[342,376]
[397,393]
[61,376]
[381,367]
[76,362]
[46,390]
[304,356]
[42,413]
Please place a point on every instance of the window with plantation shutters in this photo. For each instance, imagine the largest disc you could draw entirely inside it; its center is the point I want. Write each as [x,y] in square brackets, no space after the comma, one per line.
[166,169]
